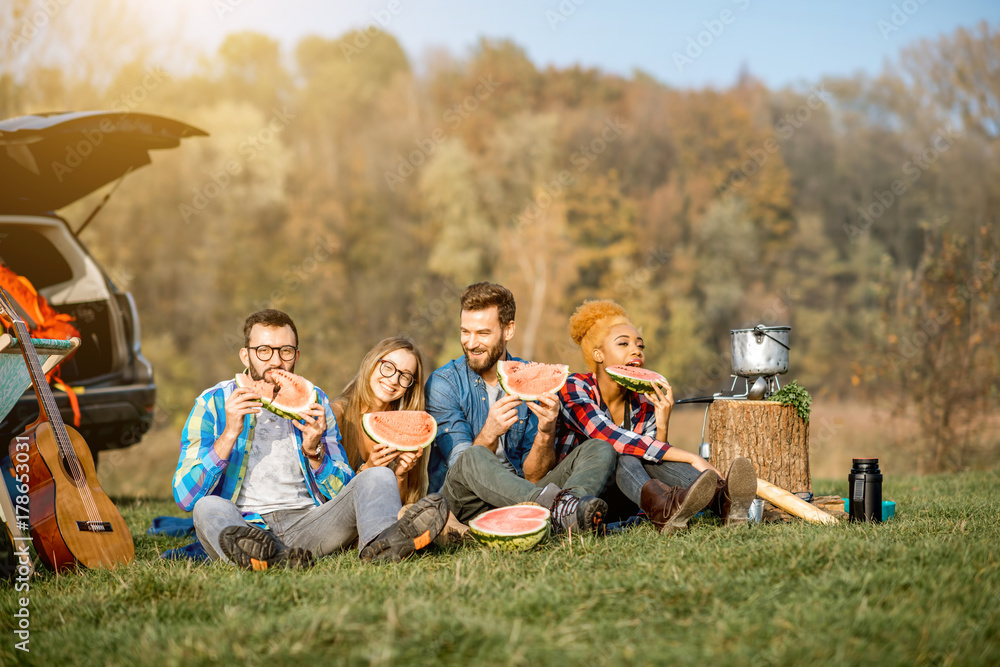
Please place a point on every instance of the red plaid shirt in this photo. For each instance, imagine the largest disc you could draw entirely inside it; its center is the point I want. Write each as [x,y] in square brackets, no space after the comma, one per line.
[585,416]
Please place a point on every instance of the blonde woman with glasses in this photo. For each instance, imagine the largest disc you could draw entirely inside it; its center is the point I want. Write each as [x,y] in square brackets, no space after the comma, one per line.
[390,378]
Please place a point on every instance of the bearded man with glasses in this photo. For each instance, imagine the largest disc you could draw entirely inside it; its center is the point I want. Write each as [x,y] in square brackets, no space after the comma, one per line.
[267,491]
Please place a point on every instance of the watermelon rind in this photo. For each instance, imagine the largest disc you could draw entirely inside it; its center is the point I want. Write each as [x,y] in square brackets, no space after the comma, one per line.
[505,380]
[241,382]
[521,542]
[635,384]
[382,439]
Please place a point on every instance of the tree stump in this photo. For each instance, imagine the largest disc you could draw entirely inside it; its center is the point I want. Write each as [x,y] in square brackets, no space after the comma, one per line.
[771,435]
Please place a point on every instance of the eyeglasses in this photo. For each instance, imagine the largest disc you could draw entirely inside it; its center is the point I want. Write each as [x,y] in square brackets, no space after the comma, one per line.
[388,370]
[285,352]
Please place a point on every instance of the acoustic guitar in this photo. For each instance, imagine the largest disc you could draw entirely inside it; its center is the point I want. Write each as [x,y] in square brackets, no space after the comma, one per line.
[72,520]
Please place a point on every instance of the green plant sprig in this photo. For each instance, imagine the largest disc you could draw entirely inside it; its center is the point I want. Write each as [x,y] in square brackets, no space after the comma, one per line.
[793,394]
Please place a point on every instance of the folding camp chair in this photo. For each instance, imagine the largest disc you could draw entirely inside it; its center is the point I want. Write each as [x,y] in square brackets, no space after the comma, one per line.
[14,381]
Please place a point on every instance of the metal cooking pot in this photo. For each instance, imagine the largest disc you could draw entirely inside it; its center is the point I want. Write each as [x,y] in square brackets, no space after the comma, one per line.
[760,351]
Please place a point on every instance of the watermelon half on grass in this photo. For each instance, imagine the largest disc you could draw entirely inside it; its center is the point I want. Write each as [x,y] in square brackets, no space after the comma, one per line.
[635,378]
[529,380]
[404,430]
[289,397]
[514,528]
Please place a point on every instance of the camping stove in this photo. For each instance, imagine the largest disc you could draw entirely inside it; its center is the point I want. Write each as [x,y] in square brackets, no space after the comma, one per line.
[761,353]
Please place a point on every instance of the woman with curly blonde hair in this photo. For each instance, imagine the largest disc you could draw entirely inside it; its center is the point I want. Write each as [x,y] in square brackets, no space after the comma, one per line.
[669,484]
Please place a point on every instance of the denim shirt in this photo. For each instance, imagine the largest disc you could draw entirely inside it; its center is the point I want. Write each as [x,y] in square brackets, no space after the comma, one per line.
[456,397]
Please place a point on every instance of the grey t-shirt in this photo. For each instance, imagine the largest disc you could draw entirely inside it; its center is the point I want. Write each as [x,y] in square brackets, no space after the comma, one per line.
[274,478]
[494,394]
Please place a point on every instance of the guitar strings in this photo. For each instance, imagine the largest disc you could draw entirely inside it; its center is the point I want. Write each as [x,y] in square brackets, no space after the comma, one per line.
[58,429]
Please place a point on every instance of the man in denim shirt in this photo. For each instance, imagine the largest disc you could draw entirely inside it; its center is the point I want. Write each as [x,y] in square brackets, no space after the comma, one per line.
[494,450]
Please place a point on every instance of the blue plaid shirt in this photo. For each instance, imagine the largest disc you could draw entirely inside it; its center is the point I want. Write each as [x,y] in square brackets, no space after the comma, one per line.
[200,472]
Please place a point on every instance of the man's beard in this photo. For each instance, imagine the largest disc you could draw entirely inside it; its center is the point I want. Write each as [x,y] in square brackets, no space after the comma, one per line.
[256,375]
[493,355]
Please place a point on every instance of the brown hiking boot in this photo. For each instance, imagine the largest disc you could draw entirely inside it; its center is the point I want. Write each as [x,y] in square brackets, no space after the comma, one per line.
[671,507]
[734,494]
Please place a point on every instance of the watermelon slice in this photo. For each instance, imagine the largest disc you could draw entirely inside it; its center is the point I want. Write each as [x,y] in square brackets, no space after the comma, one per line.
[529,380]
[514,528]
[635,378]
[261,387]
[289,399]
[404,430]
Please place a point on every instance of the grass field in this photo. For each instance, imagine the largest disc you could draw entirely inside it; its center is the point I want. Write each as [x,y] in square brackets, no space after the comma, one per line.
[923,588]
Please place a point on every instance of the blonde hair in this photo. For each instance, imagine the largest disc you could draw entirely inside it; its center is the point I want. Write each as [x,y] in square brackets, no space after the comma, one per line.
[358,395]
[591,323]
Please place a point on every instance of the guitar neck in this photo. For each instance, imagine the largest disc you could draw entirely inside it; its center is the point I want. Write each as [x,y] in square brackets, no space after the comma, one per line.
[47,403]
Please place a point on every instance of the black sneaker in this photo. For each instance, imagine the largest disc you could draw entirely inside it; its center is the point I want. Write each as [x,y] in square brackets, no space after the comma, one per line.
[252,548]
[572,513]
[417,528]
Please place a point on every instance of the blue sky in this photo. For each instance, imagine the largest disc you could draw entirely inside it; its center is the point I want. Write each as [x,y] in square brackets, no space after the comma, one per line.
[684,44]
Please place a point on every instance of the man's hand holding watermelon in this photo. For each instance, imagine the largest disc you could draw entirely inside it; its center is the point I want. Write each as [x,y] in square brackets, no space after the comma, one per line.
[313,426]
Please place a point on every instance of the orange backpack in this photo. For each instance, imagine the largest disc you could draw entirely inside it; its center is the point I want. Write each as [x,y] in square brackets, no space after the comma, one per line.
[43,321]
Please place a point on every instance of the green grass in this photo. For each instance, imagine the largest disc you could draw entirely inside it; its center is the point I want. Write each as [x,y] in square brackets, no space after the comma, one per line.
[921,589]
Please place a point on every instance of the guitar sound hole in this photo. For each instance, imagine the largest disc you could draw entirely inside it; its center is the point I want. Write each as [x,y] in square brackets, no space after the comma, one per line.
[94,527]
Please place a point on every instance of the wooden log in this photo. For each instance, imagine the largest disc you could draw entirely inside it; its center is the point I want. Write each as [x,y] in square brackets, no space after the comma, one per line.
[771,435]
[792,504]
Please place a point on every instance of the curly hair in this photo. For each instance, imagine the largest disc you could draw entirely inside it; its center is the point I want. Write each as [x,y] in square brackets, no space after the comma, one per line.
[590,324]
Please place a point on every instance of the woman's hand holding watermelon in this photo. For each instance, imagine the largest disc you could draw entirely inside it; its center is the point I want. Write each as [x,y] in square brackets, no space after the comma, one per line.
[381,456]
[406,461]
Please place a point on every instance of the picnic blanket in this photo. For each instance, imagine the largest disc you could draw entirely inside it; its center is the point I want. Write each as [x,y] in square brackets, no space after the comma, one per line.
[175,526]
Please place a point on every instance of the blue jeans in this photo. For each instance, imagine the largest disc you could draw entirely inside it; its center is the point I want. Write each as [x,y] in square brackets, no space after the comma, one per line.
[364,508]
[632,472]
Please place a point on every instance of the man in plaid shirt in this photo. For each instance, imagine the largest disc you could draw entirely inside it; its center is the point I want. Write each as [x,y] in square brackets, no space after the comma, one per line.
[269,491]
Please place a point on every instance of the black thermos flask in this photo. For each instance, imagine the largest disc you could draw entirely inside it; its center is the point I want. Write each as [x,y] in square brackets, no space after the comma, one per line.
[866,490]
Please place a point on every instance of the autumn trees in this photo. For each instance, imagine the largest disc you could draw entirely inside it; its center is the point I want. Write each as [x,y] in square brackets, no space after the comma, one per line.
[371,188]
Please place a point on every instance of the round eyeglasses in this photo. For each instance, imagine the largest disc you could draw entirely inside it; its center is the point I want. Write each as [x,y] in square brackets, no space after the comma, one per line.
[388,370]
[285,352]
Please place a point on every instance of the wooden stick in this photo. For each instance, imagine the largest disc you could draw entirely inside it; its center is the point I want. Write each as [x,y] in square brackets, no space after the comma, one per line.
[791,503]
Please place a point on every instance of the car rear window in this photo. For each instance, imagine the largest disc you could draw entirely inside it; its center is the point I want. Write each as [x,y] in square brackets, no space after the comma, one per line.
[30,254]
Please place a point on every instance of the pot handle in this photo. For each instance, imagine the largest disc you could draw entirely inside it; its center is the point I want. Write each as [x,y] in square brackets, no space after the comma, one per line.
[759,331]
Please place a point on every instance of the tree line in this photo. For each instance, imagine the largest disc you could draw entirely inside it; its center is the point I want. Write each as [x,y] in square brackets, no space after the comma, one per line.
[361,194]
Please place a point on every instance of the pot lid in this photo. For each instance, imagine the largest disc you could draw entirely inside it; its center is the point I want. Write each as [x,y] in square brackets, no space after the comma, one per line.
[50,160]
[760,327]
